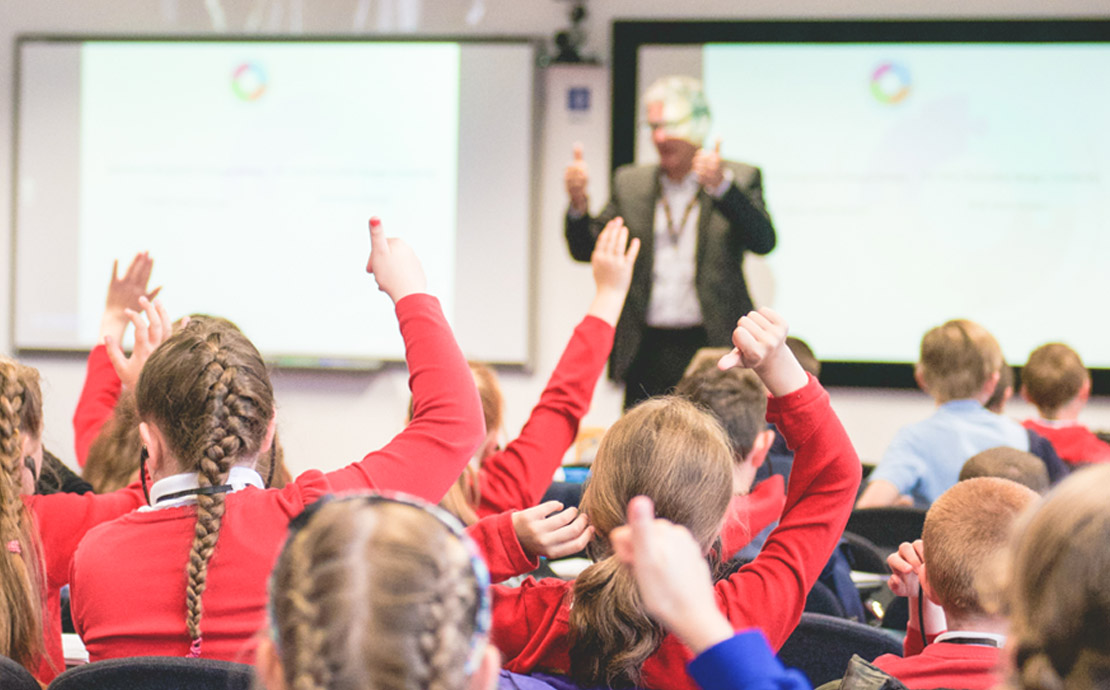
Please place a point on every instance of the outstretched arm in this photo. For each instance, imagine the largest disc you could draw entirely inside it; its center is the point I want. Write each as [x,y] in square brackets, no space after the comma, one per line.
[447,425]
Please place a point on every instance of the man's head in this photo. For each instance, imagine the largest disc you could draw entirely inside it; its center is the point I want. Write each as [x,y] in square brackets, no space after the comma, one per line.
[738,400]
[1008,463]
[678,115]
[967,531]
[959,359]
[1053,377]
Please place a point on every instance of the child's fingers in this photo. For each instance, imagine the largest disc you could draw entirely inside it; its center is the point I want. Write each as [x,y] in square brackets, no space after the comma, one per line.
[542,511]
[115,271]
[115,353]
[145,267]
[164,317]
[553,522]
[577,544]
[570,530]
[633,250]
[729,360]
[153,293]
[762,322]
[154,319]
[378,243]
[641,514]
[140,327]
[744,341]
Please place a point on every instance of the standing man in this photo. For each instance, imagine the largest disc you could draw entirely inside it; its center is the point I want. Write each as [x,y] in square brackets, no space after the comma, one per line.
[695,216]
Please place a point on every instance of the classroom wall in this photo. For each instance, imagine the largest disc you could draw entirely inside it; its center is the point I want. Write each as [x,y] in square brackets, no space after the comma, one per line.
[327,419]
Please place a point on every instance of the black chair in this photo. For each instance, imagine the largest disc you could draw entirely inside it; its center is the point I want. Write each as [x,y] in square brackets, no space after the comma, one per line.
[887,527]
[864,555]
[156,673]
[821,646]
[821,599]
[15,677]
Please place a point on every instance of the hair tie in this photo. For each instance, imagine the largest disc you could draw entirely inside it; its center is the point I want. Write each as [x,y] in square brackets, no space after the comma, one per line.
[14,547]
[194,649]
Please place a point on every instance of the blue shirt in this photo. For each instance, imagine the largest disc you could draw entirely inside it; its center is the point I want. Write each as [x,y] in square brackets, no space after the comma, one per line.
[925,458]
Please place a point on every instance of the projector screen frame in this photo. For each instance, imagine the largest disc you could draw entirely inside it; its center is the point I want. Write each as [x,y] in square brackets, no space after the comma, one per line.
[628,37]
[534,43]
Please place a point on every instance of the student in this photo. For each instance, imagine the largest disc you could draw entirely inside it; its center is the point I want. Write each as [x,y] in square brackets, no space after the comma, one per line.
[39,533]
[674,582]
[382,592]
[1008,463]
[1058,595]
[1056,382]
[967,531]
[202,551]
[595,629]
[959,368]
[517,476]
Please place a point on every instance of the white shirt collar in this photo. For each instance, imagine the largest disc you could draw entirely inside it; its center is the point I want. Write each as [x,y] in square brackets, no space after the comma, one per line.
[999,640]
[239,478]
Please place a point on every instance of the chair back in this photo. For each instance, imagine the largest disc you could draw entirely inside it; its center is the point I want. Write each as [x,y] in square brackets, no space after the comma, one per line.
[15,677]
[156,673]
[864,555]
[887,527]
[821,646]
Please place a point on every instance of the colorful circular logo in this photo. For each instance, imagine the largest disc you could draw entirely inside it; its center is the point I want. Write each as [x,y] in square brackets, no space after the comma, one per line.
[248,81]
[890,83]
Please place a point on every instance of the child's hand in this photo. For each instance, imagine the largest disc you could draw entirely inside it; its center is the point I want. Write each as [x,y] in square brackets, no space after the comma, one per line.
[760,344]
[672,575]
[612,265]
[394,265]
[905,567]
[548,530]
[148,336]
[124,294]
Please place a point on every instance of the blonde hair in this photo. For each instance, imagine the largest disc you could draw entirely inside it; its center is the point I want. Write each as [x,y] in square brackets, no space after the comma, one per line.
[957,359]
[465,495]
[667,449]
[373,593]
[1059,594]
[967,530]
[1052,377]
[22,574]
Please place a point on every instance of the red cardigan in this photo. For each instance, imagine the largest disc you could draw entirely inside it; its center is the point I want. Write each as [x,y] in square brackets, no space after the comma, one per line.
[128,576]
[517,477]
[751,513]
[98,399]
[1074,443]
[531,623]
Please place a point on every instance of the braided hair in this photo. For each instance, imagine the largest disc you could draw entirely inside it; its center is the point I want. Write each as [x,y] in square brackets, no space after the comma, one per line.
[21,570]
[376,593]
[207,391]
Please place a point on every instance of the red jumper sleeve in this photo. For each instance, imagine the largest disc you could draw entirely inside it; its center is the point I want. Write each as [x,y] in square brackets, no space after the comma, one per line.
[98,399]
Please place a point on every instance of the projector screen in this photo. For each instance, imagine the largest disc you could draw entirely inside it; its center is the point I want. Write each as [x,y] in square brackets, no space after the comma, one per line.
[249,170]
[915,172]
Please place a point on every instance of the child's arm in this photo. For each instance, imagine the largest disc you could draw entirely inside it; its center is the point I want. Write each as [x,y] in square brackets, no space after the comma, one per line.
[512,542]
[447,426]
[906,567]
[518,476]
[102,385]
[770,592]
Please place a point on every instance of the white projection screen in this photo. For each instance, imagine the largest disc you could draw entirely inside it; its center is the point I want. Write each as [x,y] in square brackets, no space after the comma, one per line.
[249,170]
[915,172]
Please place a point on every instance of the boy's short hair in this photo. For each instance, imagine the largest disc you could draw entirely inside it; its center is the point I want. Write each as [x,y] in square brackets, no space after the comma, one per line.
[1008,463]
[966,531]
[804,354]
[735,397]
[957,359]
[1053,376]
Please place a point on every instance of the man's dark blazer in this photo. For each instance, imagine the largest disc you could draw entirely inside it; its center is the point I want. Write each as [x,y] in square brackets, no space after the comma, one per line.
[727,227]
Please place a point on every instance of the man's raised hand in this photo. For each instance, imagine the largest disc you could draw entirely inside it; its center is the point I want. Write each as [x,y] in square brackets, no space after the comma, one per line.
[576,178]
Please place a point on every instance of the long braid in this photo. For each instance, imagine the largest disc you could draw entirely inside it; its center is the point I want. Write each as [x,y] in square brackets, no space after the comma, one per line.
[208,392]
[21,594]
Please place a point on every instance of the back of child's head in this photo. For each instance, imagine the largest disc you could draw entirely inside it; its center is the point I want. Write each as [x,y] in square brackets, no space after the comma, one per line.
[958,358]
[21,575]
[669,450]
[1059,593]
[804,354]
[967,531]
[378,593]
[735,397]
[1053,377]
[1003,390]
[1008,463]
[207,391]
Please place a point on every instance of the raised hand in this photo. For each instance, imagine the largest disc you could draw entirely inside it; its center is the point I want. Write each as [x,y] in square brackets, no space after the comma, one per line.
[548,530]
[124,294]
[149,334]
[905,568]
[394,264]
[672,575]
[613,260]
[576,178]
[759,342]
[707,167]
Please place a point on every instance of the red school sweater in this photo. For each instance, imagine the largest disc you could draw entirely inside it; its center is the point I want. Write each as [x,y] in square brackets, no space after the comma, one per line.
[946,665]
[531,623]
[1074,443]
[517,477]
[98,398]
[128,576]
